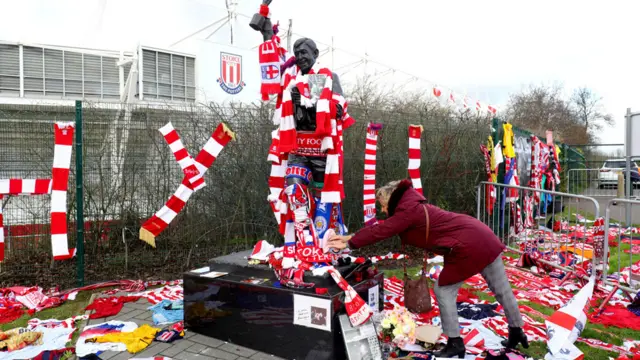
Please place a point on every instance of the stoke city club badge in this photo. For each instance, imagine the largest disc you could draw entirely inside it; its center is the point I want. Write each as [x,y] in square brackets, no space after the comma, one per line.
[230,79]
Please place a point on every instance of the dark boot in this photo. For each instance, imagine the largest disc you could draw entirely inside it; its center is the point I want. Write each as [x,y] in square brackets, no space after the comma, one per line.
[516,336]
[455,347]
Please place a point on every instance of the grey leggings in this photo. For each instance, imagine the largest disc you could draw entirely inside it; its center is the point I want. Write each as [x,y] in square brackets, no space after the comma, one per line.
[498,282]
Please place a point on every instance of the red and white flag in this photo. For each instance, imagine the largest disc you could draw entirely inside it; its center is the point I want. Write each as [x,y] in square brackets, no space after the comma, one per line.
[566,324]
[436,91]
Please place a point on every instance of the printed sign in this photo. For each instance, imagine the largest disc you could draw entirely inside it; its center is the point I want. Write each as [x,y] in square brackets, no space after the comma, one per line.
[230,79]
[312,312]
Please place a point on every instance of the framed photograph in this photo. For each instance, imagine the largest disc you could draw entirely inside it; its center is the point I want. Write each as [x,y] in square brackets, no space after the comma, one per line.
[312,312]
[362,341]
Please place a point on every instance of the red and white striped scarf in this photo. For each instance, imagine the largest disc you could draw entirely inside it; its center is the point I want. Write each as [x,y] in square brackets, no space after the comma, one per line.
[357,309]
[182,156]
[325,127]
[284,139]
[415,132]
[271,57]
[209,153]
[369,193]
[57,186]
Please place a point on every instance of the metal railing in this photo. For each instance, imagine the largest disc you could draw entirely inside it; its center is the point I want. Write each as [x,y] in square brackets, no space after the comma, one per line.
[598,183]
[540,222]
[620,229]
[594,182]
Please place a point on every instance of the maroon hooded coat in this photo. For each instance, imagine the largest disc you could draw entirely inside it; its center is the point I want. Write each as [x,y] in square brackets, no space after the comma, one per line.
[466,244]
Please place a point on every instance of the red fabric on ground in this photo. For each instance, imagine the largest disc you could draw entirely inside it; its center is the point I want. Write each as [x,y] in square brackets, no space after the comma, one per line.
[8,315]
[467,295]
[54,354]
[617,316]
[105,307]
[635,249]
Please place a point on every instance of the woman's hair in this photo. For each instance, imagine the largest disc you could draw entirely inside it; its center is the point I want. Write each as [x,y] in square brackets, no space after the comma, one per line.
[384,193]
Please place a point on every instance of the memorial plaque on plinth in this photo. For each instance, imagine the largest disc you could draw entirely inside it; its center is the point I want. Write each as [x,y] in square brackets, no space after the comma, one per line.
[247,306]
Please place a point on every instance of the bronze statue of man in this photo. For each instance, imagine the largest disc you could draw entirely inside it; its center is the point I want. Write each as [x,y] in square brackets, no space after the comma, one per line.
[311,114]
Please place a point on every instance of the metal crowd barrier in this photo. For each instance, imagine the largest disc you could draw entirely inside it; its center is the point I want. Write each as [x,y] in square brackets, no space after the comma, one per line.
[595,183]
[620,225]
[552,226]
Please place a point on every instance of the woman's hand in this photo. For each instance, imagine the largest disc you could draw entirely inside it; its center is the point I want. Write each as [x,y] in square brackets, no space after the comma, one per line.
[338,242]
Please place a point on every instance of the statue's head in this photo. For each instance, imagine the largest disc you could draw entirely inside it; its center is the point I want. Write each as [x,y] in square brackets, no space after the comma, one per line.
[306,53]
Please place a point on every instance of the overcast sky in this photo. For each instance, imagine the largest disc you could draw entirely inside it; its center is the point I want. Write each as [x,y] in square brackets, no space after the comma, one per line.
[484,48]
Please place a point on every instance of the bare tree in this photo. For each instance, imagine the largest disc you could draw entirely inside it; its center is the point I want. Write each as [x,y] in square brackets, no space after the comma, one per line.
[590,113]
[541,108]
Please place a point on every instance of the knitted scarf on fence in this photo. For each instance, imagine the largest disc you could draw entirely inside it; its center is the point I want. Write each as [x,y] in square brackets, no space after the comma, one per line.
[535,180]
[56,186]
[415,132]
[490,190]
[369,192]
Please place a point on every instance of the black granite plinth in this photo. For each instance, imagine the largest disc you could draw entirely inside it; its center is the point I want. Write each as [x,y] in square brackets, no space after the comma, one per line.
[260,316]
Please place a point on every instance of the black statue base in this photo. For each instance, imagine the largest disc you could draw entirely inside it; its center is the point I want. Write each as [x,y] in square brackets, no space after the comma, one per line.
[260,315]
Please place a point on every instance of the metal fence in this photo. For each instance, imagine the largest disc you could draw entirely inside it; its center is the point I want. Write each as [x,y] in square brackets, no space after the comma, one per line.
[565,234]
[129,172]
[540,223]
[595,182]
[622,248]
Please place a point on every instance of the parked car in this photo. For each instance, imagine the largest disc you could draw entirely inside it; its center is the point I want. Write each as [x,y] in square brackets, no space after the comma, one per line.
[609,172]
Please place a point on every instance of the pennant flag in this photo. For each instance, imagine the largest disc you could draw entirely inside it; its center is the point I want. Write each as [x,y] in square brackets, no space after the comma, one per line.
[566,324]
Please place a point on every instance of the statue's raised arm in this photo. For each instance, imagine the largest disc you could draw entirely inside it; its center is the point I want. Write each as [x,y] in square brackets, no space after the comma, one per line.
[261,21]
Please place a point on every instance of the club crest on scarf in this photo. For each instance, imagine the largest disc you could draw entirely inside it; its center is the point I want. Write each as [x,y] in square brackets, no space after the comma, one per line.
[230,79]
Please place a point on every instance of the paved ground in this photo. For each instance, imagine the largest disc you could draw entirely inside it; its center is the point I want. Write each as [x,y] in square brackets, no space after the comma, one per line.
[618,212]
[192,347]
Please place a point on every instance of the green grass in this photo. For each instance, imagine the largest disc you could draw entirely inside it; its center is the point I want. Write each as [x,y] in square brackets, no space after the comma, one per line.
[538,350]
[624,260]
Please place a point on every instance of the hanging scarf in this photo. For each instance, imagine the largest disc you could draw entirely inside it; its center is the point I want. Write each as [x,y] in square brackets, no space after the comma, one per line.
[369,192]
[490,191]
[415,132]
[271,57]
[535,180]
[492,158]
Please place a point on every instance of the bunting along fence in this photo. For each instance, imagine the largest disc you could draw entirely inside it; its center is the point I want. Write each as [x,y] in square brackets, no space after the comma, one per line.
[132,164]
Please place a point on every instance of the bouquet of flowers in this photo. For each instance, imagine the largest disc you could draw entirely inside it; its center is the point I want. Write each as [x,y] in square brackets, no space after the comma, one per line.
[398,327]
